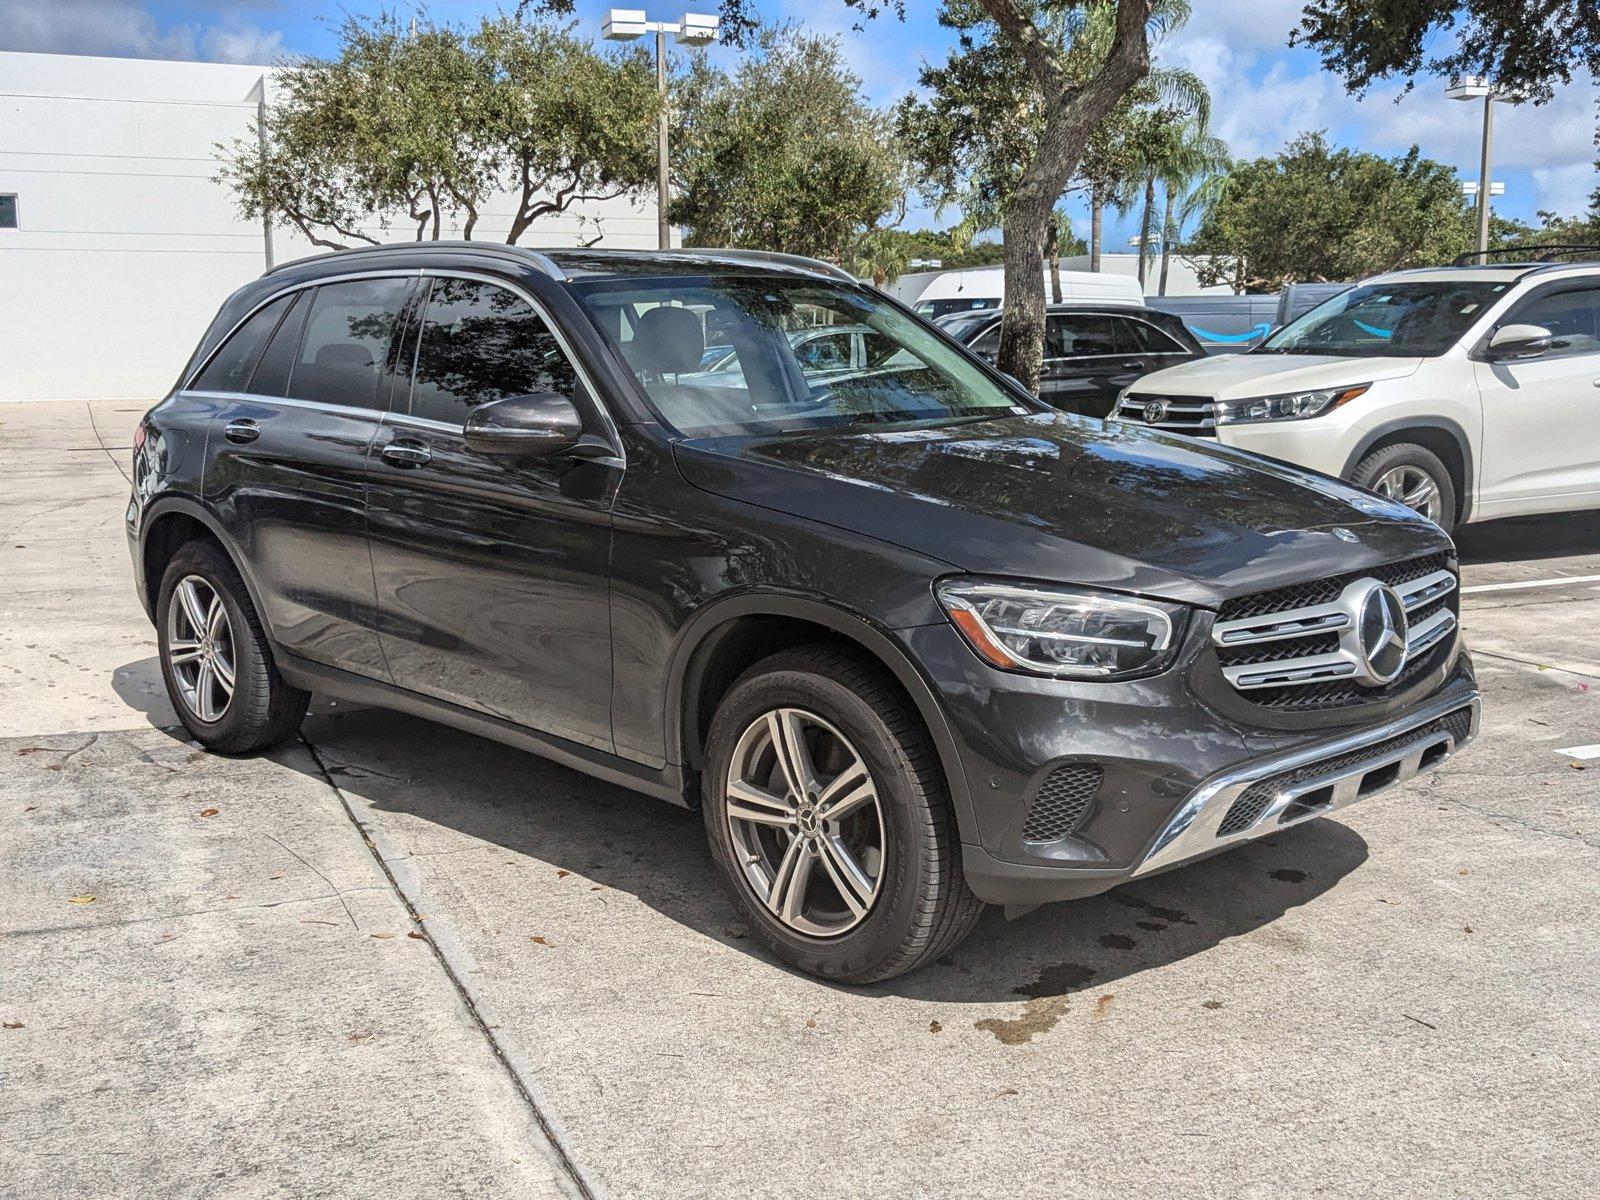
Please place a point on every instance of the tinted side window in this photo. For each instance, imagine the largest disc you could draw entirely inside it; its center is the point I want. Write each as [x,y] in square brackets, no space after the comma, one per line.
[1076,336]
[1141,337]
[229,369]
[825,352]
[1573,319]
[343,353]
[272,372]
[480,343]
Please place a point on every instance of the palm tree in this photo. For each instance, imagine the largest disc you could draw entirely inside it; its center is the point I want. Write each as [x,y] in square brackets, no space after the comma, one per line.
[879,254]
[1192,155]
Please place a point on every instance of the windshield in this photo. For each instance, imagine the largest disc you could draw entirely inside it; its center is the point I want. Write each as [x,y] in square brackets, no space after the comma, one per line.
[1387,320]
[796,354]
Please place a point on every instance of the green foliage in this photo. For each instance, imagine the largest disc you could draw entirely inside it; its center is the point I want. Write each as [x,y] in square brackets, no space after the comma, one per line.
[431,120]
[784,153]
[1315,213]
[1522,46]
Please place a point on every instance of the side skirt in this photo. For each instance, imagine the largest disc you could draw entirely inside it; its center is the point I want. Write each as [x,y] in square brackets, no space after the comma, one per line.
[664,783]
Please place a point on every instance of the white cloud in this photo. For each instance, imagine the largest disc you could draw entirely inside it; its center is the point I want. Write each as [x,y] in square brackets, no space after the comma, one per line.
[126,29]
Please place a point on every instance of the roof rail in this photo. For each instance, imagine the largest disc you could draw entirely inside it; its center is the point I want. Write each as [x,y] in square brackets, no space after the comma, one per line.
[494,249]
[1530,254]
[773,257]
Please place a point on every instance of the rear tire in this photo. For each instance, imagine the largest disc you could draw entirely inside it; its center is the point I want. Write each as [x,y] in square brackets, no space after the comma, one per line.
[867,884]
[1414,476]
[215,657]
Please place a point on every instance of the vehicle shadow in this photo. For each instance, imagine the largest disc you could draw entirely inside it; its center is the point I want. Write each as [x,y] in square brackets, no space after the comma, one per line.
[457,783]
[1519,538]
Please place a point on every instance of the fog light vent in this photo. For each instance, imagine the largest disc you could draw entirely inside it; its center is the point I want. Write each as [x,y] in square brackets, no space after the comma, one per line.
[1061,803]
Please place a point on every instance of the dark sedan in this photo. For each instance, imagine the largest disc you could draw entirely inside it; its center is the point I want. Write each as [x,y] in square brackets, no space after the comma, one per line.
[1091,351]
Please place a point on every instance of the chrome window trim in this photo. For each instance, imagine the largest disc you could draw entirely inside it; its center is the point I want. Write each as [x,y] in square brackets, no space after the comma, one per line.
[377,273]
[340,410]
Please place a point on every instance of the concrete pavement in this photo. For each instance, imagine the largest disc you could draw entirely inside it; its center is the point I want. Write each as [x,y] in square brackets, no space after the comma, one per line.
[1400,1002]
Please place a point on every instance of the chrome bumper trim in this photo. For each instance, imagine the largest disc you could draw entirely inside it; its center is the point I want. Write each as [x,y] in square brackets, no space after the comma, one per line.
[1192,831]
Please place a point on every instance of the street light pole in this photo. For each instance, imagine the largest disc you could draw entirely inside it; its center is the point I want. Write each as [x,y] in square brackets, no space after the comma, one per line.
[1475,89]
[695,29]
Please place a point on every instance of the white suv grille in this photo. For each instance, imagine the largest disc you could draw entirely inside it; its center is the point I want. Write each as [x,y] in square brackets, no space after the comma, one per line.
[1177,414]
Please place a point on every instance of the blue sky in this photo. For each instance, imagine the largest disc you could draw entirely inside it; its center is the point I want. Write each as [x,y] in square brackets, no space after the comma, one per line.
[1263,92]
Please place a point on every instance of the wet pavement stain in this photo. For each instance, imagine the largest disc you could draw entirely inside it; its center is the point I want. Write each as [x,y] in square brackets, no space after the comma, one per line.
[1117,941]
[1047,1003]
[1290,875]
[1152,926]
[1174,916]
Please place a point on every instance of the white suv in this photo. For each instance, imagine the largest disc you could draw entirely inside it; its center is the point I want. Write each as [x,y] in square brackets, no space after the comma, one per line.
[1464,392]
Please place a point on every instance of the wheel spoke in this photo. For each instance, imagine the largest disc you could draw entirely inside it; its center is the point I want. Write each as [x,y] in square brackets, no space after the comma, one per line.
[194,609]
[216,617]
[787,895]
[224,672]
[837,804]
[746,802]
[182,652]
[789,743]
[203,706]
[854,885]
[1421,496]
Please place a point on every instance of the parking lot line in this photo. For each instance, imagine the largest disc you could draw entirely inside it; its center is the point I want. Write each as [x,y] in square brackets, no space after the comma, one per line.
[1530,583]
[1581,753]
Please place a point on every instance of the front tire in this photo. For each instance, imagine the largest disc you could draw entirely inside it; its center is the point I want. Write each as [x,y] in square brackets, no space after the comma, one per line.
[829,819]
[215,657]
[1412,475]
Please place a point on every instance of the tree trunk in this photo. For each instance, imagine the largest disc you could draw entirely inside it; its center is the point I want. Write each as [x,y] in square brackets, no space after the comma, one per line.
[1146,227]
[1073,111]
[1166,242]
[1097,208]
[1054,240]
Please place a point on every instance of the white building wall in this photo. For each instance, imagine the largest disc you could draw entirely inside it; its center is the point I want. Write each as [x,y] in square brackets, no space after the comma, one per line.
[125,247]
[1182,279]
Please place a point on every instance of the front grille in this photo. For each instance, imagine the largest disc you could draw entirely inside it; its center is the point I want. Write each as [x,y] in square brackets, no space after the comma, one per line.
[1255,800]
[1178,414]
[1287,649]
[1061,803]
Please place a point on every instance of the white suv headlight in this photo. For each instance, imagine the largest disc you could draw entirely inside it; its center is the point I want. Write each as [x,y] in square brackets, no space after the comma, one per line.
[1292,406]
[1046,630]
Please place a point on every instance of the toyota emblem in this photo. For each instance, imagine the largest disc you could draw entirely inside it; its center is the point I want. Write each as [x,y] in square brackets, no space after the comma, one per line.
[1154,410]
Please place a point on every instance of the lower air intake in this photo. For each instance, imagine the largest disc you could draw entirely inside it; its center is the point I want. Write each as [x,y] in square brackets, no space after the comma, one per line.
[1061,803]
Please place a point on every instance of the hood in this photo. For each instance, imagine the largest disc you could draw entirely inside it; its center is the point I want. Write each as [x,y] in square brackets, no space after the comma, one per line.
[1243,376]
[1072,500]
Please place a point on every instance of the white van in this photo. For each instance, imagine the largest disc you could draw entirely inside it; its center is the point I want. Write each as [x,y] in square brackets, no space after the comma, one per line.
[934,294]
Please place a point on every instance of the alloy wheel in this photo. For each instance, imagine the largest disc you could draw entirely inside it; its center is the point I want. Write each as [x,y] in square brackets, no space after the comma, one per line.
[200,648]
[1413,487]
[807,829]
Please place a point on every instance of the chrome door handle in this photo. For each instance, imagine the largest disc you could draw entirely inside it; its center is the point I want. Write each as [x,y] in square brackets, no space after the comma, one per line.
[406,454]
[241,431]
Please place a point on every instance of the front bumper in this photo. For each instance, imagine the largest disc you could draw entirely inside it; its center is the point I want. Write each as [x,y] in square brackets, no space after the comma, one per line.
[1255,799]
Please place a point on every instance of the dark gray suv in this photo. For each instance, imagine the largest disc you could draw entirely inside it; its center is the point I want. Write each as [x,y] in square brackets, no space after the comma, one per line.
[911,640]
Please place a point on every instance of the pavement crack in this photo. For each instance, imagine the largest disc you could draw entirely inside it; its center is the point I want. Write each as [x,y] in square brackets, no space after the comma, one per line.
[1519,822]
[1529,662]
[337,895]
[89,926]
[564,1160]
[115,462]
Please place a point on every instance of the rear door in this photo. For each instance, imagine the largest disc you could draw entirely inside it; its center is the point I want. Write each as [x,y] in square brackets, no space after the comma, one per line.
[1082,364]
[492,572]
[287,469]
[1541,416]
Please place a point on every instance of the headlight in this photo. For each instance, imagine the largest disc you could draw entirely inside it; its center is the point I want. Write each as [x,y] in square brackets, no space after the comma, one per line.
[1050,631]
[1293,406]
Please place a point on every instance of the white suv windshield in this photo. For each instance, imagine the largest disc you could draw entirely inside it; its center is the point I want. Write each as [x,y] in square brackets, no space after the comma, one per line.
[1388,320]
[795,354]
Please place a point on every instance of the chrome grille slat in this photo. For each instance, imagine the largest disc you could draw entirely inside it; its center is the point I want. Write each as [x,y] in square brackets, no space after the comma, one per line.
[1179,414]
[1298,647]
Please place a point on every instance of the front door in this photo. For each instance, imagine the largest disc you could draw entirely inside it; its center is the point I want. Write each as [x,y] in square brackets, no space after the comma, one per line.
[1541,416]
[492,571]
[287,468]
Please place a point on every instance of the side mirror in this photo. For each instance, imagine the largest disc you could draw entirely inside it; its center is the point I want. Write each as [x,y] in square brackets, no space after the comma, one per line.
[1519,341]
[527,426]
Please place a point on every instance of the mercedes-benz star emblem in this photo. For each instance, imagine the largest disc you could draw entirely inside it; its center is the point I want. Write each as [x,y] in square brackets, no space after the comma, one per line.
[1344,535]
[1154,410]
[1381,633]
